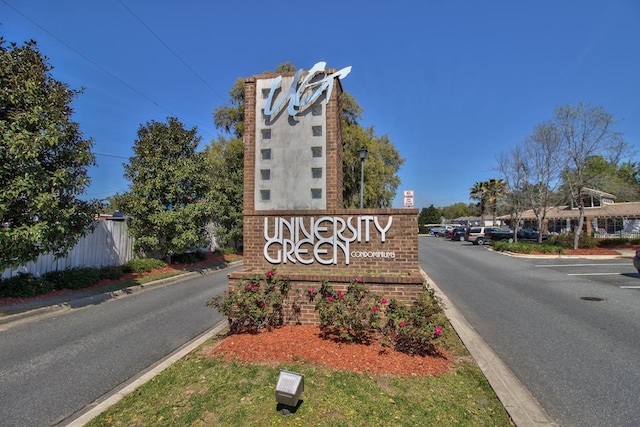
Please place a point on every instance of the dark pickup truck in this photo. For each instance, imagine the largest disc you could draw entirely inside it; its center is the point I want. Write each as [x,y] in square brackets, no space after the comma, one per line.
[523,234]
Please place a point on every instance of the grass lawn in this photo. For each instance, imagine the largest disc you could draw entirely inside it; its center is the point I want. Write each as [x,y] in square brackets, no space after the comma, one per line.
[201,390]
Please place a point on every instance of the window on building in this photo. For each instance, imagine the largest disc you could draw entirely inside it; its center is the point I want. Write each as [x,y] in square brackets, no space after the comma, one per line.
[265,195]
[316,130]
[265,154]
[316,173]
[316,193]
[265,174]
[316,110]
[316,151]
[266,133]
[265,92]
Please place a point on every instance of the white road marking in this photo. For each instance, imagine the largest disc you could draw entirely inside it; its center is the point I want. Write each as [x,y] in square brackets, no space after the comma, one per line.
[582,265]
[629,287]
[594,274]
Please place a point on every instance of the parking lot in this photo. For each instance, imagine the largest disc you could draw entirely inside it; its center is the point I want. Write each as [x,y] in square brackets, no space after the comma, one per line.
[610,272]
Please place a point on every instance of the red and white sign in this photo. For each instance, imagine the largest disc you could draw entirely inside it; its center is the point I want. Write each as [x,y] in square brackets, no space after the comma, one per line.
[408,198]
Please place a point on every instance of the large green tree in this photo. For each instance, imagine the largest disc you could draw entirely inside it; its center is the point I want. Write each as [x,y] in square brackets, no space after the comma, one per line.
[225,162]
[430,215]
[619,180]
[166,204]
[380,167]
[458,210]
[44,160]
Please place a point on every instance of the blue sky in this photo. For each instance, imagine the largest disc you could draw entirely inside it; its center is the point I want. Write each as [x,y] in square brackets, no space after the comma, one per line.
[452,83]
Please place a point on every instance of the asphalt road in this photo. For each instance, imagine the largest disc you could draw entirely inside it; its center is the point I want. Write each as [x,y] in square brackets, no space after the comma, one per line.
[568,328]
[53,366]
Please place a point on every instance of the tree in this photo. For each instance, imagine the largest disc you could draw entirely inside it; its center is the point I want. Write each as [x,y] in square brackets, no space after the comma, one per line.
[44,160]
[166,201]
[541,154]
[457,210]
[584,131]
[496,189]
[380,168]
[383,160]
[514,167]
[225,164]
[430,215]
[622,181]
[628,175]
[479,192]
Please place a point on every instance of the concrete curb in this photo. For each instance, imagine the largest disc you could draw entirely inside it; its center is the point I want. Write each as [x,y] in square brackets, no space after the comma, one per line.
[522,407]
[105,402]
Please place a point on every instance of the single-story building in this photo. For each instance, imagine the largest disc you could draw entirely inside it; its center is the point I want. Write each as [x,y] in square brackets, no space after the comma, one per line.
[602,217]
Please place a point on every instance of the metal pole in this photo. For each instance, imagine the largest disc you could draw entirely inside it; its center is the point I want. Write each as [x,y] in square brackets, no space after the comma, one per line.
[361,182]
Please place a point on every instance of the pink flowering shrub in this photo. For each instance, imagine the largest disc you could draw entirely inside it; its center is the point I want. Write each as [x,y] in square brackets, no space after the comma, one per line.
[350,316]
[415,329]
[358,315]
[255,304]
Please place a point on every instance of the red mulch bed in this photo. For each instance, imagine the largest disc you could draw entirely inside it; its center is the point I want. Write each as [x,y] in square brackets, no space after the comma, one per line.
[289,344]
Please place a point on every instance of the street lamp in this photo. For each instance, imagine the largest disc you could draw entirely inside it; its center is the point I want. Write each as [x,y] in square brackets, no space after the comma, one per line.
[363,155]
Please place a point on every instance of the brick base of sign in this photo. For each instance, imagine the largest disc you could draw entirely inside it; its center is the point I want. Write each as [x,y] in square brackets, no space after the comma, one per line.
[300,310]
[397,254]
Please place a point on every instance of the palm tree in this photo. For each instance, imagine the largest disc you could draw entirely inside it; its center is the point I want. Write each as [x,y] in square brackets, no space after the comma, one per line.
[479,192]
[496,189]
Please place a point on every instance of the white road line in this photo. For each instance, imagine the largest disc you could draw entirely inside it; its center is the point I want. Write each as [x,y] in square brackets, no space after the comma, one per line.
[629,287]
[594,274]
[582,265]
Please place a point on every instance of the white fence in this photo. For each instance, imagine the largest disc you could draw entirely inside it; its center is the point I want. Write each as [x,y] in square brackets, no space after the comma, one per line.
[109,245]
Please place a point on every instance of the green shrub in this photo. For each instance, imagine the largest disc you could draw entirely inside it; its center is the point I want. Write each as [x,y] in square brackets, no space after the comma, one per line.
[227,250]
[24,285]
[255,304]
[565,240]
[527,247]
[189,257]
[110,273]
[613,242]
[143,265]
[73,278]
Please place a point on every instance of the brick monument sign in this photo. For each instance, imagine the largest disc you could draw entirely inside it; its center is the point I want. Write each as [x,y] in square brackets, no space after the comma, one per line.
[294,220]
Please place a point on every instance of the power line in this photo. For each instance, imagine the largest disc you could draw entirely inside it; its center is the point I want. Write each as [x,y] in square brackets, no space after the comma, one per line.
[104,70]
[110,74]
[111,155]
[171,50]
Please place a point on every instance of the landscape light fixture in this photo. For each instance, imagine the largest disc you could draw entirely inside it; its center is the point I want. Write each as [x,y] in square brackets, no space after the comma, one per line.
[363,156]
[289,387]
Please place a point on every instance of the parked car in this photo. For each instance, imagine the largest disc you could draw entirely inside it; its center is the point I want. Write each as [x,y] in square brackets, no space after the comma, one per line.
[442,231]
[477,235]
[523,234]
[459,233]
[636,260]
